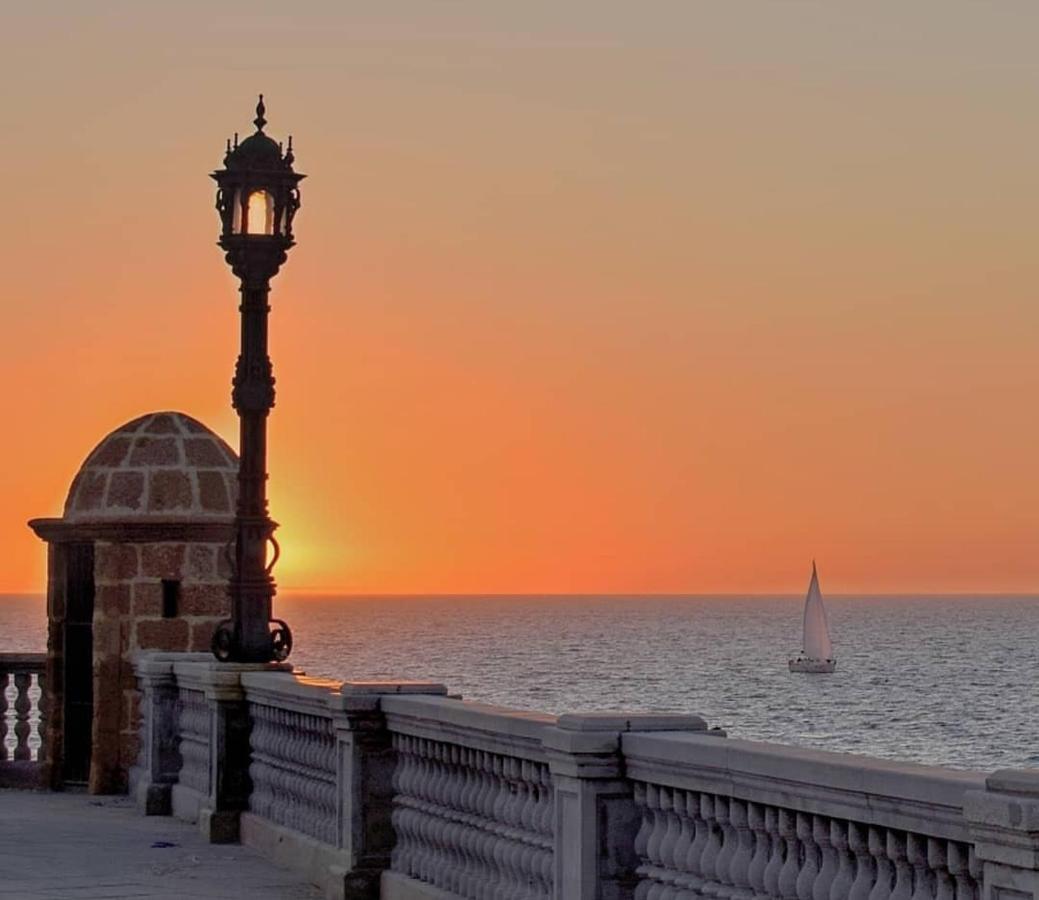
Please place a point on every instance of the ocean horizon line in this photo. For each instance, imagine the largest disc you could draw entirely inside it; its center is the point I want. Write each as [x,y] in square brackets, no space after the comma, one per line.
[571,595]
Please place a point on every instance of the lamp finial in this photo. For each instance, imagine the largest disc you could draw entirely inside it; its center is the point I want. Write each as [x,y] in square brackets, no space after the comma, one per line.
[260,121]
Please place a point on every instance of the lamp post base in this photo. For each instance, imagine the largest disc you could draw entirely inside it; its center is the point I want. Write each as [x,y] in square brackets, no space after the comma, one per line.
[227,645]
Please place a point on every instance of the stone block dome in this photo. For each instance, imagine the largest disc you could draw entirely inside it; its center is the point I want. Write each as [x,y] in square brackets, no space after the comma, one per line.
[162,466]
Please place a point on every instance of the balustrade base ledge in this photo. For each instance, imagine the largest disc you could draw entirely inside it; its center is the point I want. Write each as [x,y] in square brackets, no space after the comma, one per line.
[395,886]
[22,775]
[220,826]
[319,863]
[151,798]
[186,803]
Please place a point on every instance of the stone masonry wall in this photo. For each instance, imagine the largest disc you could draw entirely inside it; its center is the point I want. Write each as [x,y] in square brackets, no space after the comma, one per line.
[128,618]
[51,752]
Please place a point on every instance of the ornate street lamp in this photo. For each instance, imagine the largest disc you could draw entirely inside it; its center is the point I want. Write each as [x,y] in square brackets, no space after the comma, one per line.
[257,197]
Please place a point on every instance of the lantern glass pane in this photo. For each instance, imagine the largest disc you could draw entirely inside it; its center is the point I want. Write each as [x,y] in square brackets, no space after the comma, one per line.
[236,213]
[260,215]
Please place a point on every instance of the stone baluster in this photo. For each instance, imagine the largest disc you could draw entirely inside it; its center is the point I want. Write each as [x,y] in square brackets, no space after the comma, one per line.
[647,840]
[776,843]
[865,867]
[827,858]
[845,875]
[437,860]
[810,864]
[729,841]
[713,846]
[421,788]
[761,841]
[694,879]
[883,865]
[498,857]
[485,839]
[529,861]
[488,802]
[791,870]
[956,859]
[458,828]
[512,851]
[944,888]
[465,780]
[896,851]
[665,851]
[975,869]
[916,855]
[680,854]
[640,792]
[739,865]
[424,795]
[400,856]
[22,709]
[426,807]
[441,825]
[4,707]
[454,831]
[545,818]
[462,761]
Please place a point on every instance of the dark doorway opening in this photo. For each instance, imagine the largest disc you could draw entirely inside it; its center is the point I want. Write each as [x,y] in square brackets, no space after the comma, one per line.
[79,662]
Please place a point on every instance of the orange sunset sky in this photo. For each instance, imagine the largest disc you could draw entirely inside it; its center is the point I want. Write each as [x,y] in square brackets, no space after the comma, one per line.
[588,296]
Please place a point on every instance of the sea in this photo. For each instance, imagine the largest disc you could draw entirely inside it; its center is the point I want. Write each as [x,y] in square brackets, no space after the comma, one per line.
[945,680]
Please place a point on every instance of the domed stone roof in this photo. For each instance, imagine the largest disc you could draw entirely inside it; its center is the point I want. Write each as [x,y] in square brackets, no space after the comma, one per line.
[161,466]
[258,151]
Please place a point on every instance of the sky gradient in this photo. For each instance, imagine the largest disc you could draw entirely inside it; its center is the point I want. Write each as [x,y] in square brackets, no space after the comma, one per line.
[588,296]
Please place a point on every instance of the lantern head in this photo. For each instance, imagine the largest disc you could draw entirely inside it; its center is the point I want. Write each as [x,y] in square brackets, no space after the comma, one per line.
[257,190]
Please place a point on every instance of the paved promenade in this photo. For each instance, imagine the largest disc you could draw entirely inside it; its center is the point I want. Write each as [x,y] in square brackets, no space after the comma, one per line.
[78,847]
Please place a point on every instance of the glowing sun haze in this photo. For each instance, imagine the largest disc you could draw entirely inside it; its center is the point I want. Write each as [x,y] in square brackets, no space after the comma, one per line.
[588,296]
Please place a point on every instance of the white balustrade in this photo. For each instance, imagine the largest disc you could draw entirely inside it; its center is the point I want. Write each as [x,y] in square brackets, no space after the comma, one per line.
[396,787]
[906,842]
[22,713]
[293,770]
[473,823]
[828,860]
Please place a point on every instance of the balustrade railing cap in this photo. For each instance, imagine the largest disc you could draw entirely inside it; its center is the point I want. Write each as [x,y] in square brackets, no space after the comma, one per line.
[23,661]
[624,721]
[1014,781]
[598,734]
[369,688]
[160,662]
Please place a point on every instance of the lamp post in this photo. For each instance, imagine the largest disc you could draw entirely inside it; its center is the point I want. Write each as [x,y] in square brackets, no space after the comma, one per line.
[257,197]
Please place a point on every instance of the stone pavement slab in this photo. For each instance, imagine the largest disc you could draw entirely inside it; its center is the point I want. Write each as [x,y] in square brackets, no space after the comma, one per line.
[78,847]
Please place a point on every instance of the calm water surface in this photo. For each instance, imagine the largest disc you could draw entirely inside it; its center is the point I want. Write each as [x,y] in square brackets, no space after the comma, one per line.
[949,680]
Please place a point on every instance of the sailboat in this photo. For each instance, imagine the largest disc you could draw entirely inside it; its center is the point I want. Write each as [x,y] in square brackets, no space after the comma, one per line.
[817,649]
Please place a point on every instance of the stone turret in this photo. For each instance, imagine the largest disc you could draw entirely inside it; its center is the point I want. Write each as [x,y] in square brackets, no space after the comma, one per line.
[138,561]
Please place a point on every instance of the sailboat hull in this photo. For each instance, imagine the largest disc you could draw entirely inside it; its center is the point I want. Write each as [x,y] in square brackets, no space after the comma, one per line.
[812,666]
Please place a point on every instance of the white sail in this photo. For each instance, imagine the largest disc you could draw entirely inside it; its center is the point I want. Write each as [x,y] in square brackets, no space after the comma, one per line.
[817,644]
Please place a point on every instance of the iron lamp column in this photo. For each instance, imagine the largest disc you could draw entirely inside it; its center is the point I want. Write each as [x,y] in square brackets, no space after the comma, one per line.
[257,198]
